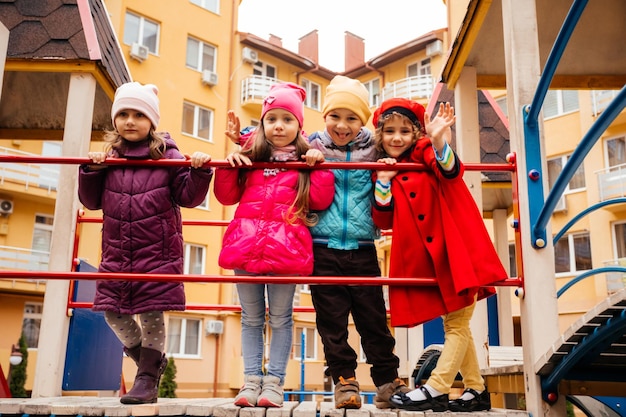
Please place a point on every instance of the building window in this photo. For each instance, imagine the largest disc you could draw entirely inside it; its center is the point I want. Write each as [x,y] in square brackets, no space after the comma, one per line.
[616,151]
[619,233]
[183,336]
[421,68]
[32,323]
[373,88]
[194,259]
[310,345]
[555,167]
[200,55]
[512,261]
[312,94]
[560,102]
[138,29]
[264,70]
[210,5]
[197,121]
[573,253]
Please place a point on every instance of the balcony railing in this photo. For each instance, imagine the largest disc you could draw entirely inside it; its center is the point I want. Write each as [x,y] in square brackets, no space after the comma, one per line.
[255,88]
[600,99]
[13,258]
[615,281]
[45,176]
[612,182]
[414,88]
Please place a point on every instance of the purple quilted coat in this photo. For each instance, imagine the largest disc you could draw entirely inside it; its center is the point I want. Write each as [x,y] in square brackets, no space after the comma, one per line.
[142,226]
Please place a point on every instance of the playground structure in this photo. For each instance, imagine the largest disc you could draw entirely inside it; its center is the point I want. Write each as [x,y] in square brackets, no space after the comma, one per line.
[471,66]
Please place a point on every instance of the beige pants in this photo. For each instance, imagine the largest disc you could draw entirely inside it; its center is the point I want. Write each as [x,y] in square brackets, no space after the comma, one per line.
[458,354]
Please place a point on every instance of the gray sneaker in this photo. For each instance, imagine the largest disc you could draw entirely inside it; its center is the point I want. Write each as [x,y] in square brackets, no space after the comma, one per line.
[271,392]
[249,393]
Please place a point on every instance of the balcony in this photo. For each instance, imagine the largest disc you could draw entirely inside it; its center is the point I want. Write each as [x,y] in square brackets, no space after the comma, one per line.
[414,88]
[43,177]
[615,281]
[255,88]
[600,99]
[12,258]
[612,182]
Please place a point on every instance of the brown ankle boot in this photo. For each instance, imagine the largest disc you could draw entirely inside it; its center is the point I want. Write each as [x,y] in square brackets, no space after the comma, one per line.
[145,389]
[134,353]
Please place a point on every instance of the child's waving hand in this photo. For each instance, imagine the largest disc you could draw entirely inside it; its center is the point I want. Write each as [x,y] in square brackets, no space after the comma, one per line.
[438,129]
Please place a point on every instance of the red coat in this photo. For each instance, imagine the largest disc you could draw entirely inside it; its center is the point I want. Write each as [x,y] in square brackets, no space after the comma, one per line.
[437,232]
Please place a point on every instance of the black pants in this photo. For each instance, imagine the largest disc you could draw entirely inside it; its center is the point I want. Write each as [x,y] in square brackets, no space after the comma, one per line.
[334,303]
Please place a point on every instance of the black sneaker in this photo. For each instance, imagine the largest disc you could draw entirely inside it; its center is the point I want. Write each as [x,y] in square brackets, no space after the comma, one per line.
[438,403]
[480,402]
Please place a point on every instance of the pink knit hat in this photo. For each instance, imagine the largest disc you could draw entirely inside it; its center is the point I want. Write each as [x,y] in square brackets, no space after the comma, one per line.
[286,96]
[134,96]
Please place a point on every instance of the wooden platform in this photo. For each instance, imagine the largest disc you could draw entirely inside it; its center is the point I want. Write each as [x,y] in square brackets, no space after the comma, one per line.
[217,407]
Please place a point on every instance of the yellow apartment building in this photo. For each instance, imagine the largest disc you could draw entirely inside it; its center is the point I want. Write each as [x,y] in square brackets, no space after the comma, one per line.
[203,67]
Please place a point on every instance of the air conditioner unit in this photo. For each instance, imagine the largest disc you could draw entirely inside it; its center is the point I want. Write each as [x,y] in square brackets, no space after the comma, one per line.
[139,52]
[214,327]
[209,78]
[434,48]
[6,207]
[250,56]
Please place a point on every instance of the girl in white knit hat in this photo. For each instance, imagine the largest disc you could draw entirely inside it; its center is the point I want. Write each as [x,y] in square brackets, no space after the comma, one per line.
[142,228]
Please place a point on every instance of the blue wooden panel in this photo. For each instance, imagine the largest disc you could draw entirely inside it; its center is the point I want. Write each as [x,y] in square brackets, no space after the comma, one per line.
[94,354]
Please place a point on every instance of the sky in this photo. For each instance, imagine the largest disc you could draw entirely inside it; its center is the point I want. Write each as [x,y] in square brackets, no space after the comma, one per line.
[383,24]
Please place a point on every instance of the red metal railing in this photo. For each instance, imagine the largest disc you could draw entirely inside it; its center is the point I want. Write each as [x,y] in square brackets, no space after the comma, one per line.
[335,280]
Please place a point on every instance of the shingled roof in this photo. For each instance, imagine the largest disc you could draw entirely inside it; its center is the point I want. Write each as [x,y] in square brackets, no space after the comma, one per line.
[494,145]
[48,41]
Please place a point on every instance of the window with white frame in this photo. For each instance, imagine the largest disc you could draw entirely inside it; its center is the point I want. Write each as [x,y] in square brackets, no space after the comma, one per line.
[42,232]
[373,88]
[615,151]
[264,70]
[49,174]
[183,336]
[559,102]
[573,253]
[312,94]
[419,68]
[555,166]
[194,258]
[619,237]
[310,343]
[141,30]
[197,121]
[210,5]
[512,260]
[200,55]
[31,323]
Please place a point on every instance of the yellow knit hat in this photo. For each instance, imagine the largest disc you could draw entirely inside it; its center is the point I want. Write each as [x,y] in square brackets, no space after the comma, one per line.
[347,93]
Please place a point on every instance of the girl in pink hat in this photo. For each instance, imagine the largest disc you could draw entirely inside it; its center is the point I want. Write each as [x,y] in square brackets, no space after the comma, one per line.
[269,234]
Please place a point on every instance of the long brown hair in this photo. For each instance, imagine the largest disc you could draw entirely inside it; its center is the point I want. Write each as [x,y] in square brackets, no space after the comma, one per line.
[259,149]
[156,142]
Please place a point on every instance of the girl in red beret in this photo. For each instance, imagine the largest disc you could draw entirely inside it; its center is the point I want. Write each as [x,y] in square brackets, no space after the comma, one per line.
[437,232]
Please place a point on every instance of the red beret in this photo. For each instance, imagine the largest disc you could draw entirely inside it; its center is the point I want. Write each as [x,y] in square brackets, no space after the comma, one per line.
[409,108]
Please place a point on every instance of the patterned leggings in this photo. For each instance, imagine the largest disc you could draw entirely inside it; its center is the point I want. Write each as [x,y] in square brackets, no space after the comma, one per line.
[150,333]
